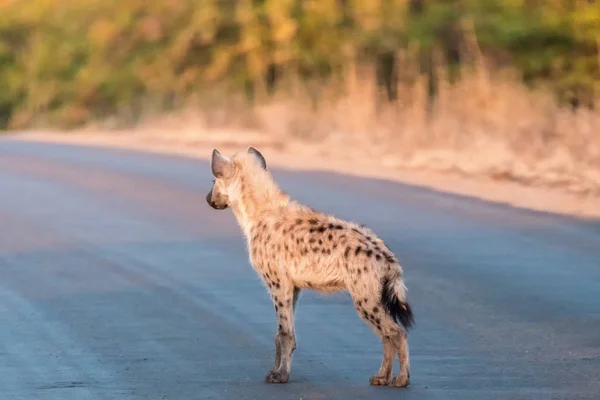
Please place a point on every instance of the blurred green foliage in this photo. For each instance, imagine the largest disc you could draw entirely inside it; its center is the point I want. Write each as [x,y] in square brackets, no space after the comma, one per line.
[64,62]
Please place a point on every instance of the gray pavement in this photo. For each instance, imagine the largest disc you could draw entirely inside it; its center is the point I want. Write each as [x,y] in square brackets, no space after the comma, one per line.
[117,281]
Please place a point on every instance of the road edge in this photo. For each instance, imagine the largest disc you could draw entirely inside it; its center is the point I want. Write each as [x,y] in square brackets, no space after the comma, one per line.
[513,194]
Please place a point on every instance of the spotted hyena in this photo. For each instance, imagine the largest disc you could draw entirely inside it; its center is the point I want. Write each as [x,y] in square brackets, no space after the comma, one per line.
[293,247]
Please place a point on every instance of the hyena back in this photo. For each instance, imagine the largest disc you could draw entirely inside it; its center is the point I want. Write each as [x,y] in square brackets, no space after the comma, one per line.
[293,247]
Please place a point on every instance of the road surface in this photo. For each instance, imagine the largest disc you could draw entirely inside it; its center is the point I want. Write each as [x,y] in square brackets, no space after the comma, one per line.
[117,281]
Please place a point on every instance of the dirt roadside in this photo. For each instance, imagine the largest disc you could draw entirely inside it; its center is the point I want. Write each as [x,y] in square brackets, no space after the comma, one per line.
[300,156]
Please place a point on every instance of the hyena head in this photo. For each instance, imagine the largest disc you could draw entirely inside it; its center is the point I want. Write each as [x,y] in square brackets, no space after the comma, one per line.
[230,173]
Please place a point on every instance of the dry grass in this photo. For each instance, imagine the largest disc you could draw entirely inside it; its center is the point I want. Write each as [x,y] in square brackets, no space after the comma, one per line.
[485,125]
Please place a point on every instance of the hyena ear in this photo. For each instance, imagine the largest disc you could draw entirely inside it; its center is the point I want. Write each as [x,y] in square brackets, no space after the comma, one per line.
[219,164]
[259,157]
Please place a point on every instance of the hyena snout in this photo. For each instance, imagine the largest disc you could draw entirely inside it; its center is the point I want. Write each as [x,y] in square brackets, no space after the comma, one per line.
[215,201]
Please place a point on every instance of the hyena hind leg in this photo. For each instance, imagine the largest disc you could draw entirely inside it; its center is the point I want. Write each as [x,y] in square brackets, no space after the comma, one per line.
[401,344]
[384,375]
[372,312]
[393,337]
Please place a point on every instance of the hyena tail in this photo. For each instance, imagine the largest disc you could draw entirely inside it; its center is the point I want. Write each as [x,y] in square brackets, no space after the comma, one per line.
[393,298]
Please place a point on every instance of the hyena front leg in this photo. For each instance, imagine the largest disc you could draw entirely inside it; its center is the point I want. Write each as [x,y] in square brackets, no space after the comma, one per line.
[277,341]
[285,298]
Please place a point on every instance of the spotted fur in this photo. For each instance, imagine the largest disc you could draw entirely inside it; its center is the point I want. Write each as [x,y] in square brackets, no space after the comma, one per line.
[293,247]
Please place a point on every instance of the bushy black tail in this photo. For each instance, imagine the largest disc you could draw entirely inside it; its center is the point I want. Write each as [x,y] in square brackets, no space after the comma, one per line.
[393,298]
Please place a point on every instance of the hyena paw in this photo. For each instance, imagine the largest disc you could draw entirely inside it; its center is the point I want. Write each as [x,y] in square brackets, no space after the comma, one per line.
[401,381]
[379,380]
[277,377]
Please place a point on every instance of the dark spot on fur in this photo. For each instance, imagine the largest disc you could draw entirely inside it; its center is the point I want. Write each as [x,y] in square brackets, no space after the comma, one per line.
[313,221]
[347,252]
[376,309]
[330,237]
[369,253]
[359,302]
[365,268]
[377,321]
[366,314]
[334,246]
[339,227]
[321,229]
[280,327]
[286,247]
[293,236]
[358,271]
[276,308]
[358,249]
[377,257]
[312,230]
[311,240]
[280,304]
[320,241]
[355,230]
[316,250]
[298,222]
[277,285]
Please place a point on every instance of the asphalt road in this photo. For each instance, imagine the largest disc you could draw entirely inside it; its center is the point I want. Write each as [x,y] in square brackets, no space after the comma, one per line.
[117,281]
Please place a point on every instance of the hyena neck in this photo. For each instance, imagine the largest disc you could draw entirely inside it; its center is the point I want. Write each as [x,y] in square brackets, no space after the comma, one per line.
[257,202]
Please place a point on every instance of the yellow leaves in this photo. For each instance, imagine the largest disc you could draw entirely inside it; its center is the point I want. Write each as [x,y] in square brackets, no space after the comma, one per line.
[284,31]
[181,45]
[283,25]
[368,13]
[71,54]
[256,63]
[250,40]
[586,20]
[150,29]
[205,20]
[221,59]
[324,12]
[102,33]
[284,54]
